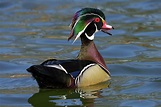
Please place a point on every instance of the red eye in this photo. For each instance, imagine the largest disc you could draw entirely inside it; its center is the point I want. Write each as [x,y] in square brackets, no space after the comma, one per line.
[97,19]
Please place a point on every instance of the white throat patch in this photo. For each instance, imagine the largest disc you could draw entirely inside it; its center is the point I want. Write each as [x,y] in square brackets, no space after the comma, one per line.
[92,37]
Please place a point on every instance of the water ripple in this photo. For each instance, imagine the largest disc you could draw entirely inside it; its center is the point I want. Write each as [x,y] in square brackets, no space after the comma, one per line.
[32,31]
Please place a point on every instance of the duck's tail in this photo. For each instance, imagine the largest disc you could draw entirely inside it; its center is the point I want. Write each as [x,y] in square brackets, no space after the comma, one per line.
[50,77]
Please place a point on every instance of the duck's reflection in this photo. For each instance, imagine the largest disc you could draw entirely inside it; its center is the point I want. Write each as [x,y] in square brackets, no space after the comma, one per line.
[68,97]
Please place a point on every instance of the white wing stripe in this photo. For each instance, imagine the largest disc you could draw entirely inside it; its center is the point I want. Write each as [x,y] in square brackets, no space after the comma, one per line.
[60,67]
[63,69]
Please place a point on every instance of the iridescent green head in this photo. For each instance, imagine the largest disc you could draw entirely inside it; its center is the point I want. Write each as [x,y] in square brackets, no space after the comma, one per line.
[88,21]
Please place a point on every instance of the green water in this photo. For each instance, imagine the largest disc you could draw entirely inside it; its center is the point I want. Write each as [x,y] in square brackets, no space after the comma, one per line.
[33,31]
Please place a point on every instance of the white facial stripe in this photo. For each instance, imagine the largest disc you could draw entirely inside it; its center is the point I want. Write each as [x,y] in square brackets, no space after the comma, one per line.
[96,28]
[85,15]
[78,36]
[90,38]
[80,33]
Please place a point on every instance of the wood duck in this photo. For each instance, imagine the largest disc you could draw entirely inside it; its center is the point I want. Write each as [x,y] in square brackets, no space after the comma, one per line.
[89,67]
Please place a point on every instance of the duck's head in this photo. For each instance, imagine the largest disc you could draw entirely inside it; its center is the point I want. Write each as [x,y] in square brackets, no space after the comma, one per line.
[87,22]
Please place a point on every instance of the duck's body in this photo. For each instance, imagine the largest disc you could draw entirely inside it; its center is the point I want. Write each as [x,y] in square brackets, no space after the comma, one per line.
[68,73]
[88,68]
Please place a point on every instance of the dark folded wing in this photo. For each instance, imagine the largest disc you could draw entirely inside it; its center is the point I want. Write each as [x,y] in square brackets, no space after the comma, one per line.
[57,73]
[49,77]
[73,67]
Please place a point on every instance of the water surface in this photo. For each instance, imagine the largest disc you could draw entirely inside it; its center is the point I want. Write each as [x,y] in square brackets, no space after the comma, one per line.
[33,31]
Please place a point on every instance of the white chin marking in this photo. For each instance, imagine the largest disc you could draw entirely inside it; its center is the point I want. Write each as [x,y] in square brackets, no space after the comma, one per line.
[90,37]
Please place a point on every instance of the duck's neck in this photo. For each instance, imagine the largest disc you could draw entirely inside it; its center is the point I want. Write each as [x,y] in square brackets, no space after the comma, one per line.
[89,51]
